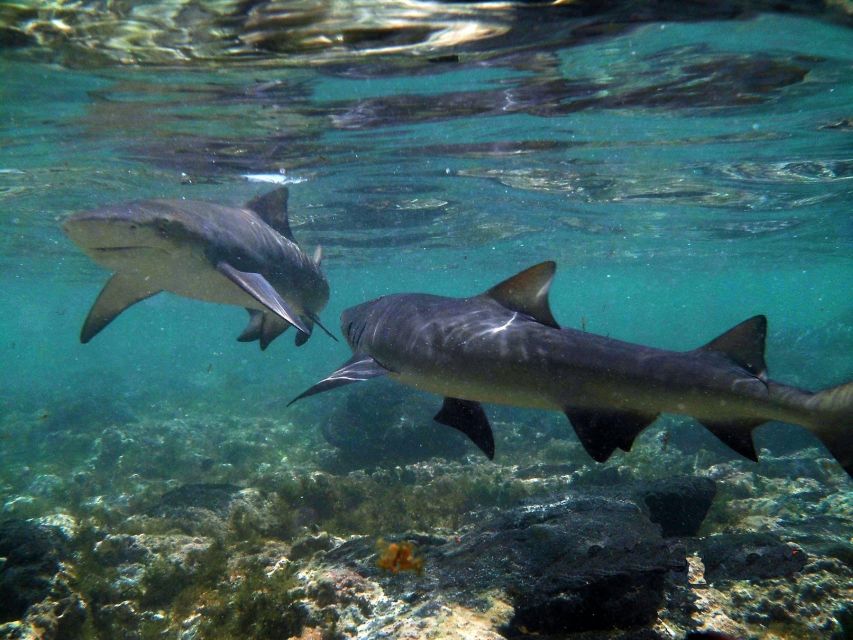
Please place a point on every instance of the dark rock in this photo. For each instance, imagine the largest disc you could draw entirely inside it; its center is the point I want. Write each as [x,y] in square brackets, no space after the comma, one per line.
[32,555]
[583,563]
[387,423]
[678,505]
[198,509]
[749,556]
[121,548]
[213,497]
[309,545]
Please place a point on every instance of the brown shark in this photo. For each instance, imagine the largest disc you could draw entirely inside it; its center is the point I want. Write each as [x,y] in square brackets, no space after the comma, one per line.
[504,346]
[240,256]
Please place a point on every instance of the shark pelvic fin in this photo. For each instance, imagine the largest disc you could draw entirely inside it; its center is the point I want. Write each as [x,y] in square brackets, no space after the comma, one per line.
[302,338]
[468,417]
[744,344]
[263,327]
[253,329]
[359,367]
[602,432]
[272,208]
[527,293]
[736,435]
[310,320]
[257,286]
[120,292]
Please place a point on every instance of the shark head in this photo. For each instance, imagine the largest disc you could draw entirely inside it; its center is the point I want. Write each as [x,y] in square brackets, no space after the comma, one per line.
[117,235]
[355,320]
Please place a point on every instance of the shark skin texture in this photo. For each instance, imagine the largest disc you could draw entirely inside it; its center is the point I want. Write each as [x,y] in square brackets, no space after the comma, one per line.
[230,255]
[504,346]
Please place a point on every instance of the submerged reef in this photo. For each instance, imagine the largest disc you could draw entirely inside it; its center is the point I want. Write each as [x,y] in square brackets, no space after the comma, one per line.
[212,526]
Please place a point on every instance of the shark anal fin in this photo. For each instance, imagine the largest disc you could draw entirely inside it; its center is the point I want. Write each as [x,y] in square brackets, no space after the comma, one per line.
[527,293]
[263,327]
[272,209]
[359,367]
[602,432]
[736,435]
[120,292]
[261,290]
[468,417]
[744,344]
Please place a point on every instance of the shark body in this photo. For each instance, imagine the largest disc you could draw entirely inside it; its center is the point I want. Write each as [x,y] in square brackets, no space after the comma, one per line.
[505,347]
[237,256]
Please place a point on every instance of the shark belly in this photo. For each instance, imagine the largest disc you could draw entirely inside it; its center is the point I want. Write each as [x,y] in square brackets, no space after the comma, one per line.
[184,271]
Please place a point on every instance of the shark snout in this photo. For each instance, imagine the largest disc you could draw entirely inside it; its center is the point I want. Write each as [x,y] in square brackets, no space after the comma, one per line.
[91,232]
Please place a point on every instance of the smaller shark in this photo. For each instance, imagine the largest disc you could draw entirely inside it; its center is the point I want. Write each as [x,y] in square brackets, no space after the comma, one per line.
[239,256]
[504,346]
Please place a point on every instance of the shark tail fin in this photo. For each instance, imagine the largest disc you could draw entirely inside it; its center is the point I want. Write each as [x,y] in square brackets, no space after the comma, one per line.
[833,424]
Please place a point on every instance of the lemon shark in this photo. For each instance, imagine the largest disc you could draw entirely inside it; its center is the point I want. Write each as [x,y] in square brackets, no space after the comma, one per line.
[239,256]
[504,346]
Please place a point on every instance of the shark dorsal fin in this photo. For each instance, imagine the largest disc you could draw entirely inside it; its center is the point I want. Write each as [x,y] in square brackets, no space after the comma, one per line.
[272,208]
[744,344]
[527,292]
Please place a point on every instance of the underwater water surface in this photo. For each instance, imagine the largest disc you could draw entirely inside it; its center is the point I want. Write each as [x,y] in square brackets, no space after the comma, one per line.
[685,171]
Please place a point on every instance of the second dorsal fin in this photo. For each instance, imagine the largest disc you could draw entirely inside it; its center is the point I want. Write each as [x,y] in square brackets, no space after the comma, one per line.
[744,344]
[272,208]
[527,292]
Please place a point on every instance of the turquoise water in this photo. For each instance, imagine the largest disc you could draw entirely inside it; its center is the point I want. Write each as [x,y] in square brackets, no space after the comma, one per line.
[683,175]
[669,222]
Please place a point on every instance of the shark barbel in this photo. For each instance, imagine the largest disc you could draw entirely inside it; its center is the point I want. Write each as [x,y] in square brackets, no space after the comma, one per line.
[505,347]
[238,256]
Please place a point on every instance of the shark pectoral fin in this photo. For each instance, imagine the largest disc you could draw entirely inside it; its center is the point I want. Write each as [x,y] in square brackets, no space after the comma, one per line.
[120,292]
[257,286]
[736,435]
[310,320]
[527,293]
[263,327]
[744,344]
[316,321]
[359,367]
[468,417]
[602,432]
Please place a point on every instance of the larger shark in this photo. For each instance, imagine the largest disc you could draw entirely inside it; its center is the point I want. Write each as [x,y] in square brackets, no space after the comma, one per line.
[243,256]
[504,346]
